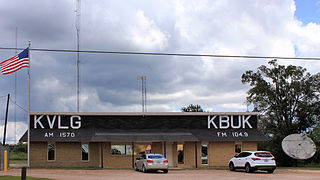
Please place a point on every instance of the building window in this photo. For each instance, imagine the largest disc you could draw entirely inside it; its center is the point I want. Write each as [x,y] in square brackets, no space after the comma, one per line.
[142,149]
[85,152]
[204,153]
[51,151]
[121,149]
[238,147]
[180,153]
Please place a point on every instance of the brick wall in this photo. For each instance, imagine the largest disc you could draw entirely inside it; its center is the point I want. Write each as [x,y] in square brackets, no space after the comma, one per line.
[115,161]
[157,147]
[38,154]
[220,153]
[190,156]
[66,155]
[249,146]
[69,154]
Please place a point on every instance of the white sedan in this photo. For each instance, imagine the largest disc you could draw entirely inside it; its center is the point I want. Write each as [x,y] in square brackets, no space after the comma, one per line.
[253,160]
[151,162]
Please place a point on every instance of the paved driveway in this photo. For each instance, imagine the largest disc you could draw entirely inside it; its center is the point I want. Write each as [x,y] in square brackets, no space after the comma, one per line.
[173,174]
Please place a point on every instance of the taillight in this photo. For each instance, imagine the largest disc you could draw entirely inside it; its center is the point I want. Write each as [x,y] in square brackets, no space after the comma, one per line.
[255,159]
[165,161]
[149,161]
[273,159]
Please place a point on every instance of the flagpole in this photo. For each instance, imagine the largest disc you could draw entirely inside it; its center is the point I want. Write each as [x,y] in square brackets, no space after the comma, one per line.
[29,104]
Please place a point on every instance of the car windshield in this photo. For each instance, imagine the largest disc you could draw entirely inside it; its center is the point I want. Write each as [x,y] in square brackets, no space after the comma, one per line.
[263,154]
[155,157]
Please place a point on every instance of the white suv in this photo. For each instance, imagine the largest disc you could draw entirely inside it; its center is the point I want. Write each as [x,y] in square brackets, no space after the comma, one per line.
[253,160]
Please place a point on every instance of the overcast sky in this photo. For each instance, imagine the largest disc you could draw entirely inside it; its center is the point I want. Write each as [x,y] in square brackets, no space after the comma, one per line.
[108,82]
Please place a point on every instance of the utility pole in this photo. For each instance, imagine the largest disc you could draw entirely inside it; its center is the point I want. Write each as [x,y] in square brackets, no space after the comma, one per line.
[6,122]
[144,92]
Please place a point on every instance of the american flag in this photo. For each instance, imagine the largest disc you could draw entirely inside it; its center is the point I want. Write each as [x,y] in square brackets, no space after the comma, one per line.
[15,63]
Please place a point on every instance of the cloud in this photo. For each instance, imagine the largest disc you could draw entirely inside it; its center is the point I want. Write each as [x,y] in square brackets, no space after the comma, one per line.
[306,39]
[14,131]
[145,34]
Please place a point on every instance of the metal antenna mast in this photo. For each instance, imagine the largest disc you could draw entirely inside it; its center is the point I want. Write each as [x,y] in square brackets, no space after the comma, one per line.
[144,92]
[78,13]
[15,93]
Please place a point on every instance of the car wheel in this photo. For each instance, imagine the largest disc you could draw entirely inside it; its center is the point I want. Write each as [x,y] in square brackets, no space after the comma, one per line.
[248,168]
[270,170]
[165,170]
[231,166]
[136,167]
[144,170]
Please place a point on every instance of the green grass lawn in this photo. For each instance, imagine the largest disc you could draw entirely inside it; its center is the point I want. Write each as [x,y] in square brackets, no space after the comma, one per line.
[18,161]
[18,156]
[18,178]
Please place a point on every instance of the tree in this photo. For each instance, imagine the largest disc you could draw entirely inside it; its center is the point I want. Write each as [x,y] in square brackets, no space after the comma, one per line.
[315,136]
[287,98]
[192,108]
[18,151]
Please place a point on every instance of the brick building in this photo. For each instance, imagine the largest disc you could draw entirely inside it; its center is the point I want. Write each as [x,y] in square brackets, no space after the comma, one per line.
[114,140]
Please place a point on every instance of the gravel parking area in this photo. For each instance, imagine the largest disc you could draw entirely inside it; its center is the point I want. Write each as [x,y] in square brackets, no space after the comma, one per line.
[173,174]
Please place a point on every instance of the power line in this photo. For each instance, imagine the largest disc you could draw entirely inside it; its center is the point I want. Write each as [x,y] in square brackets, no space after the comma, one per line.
[168,54]
[4,96]
[19,106]
[14,102]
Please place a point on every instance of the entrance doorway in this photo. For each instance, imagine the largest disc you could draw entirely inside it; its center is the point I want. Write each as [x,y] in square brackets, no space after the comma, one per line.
[169,151]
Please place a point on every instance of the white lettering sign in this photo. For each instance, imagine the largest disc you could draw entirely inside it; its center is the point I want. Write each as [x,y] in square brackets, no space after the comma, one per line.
[211,121]
[222,134]
[78,123]
[51,123]
[224,122]
[239,123]
[48,134]
[67,134]
[233,134]
[37,121]
[75,122]
[246,121]
[59,124]
[60,135]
